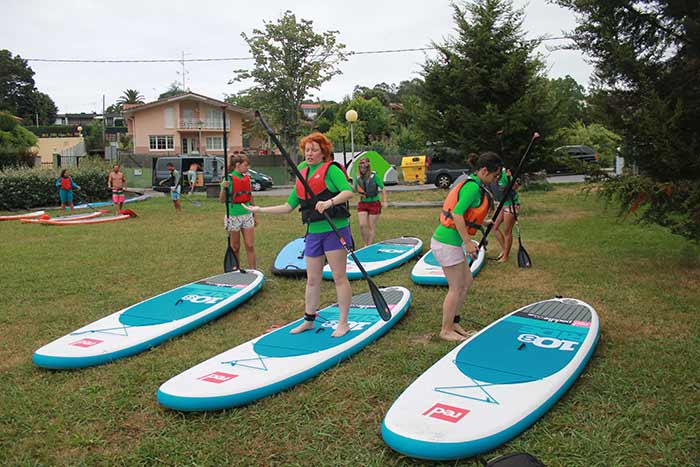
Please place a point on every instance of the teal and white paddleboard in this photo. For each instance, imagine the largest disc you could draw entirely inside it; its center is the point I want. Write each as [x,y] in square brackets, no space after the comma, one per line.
[290,260]
[380,257]
[278,360]
[148,323]
[496,384]
[428,271]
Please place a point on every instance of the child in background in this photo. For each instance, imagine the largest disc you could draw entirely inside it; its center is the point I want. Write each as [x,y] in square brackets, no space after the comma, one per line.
[238,220]
[369,186]
[65,185]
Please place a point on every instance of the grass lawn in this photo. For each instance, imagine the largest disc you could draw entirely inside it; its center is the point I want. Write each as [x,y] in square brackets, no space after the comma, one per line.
[636,404]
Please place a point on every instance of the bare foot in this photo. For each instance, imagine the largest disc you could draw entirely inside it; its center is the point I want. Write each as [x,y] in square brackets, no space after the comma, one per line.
[502,260]
[305,326]
[451,336]
[459,330]
[341,330]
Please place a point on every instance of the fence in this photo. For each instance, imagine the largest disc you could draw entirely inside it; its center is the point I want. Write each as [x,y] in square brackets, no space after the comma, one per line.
[69,157]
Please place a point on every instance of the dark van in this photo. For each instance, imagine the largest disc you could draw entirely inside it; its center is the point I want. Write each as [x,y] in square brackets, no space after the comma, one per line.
[211,169]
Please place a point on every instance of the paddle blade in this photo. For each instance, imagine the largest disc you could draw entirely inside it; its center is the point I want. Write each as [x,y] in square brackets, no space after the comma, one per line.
[523,258]
[379,301]
[230,260]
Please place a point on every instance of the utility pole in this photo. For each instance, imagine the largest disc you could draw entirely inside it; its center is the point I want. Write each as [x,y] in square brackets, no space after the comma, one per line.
[104,123]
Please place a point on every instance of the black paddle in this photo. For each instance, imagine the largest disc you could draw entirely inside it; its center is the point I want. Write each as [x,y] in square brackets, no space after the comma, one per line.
[230,260]
[524,260]
[509,189]
[377,297]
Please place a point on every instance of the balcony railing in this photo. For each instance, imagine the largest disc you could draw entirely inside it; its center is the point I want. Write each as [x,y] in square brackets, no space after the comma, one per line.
[194,124]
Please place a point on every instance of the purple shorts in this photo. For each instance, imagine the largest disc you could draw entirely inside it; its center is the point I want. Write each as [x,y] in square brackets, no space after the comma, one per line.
[318,243]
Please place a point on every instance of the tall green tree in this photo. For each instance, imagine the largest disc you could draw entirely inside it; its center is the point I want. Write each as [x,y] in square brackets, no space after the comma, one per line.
[45,109]
[18,94]
[291,60]
[485,78]
[569,101]
[647,63]
[131,96]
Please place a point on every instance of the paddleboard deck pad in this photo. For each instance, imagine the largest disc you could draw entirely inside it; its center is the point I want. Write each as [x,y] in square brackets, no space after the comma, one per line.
[496,384]
[279,360]
[148,323]
[290,260]
[428,271]
[380,257]
[27,215]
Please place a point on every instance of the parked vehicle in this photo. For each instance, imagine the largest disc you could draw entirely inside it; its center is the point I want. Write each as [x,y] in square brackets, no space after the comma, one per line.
[444,165]
[571,159]
[210,167]
[259,181]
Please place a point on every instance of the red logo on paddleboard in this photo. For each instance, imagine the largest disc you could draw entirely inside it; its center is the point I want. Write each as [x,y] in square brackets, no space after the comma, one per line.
[87,342]
[217,377]
[446,412]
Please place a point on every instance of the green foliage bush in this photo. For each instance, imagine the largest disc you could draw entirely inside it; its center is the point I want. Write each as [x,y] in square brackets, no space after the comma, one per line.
[26,188]
[54,130]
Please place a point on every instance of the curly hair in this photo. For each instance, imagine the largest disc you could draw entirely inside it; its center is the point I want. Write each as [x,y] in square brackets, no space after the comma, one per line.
[323,142]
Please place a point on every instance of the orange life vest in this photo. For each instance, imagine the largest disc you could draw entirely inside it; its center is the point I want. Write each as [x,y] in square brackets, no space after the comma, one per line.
[473,217]
[318,186]
[240,189]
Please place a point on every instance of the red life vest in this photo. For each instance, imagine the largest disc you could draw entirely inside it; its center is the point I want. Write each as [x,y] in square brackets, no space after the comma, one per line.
[66,183]
[473,217]
[240,189]
[317,183]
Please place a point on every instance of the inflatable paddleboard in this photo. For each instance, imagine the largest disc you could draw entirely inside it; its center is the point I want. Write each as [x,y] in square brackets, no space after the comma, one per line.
[428,271]
[74,217]
[28,215]
[83,221]
[495,385]
[380,257]
[290,260]
[135,199]
[278,360]
[148,323]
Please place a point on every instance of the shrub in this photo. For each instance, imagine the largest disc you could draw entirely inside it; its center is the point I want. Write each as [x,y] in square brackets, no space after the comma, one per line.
[24,188]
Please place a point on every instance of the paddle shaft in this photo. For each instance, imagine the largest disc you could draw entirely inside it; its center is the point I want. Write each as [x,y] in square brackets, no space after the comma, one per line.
[509,189]
[229,257]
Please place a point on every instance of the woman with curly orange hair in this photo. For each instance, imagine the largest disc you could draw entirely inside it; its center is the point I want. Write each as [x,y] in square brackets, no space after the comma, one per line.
[329,183]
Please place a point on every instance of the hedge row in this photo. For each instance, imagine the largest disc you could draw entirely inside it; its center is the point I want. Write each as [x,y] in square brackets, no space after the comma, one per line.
[23,188]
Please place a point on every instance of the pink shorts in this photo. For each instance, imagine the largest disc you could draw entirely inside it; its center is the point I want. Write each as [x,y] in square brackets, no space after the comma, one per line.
[509,209]
[447,255]
[118,198]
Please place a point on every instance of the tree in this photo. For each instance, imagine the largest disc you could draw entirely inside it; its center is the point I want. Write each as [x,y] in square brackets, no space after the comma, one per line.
[595,135]
[485,79]
[45,109]
[16,85]
[131,96]
[290,61]
[647,60]
[173,90]
[569,100]
[16,142]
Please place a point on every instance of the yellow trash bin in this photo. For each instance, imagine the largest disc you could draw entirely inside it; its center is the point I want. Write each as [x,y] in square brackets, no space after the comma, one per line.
[413,168]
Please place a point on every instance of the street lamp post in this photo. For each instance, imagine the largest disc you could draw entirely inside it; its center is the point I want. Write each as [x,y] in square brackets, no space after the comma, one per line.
[199,125]
[351,117]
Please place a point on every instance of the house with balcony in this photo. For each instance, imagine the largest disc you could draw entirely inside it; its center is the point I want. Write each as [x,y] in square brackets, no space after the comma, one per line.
[188,123]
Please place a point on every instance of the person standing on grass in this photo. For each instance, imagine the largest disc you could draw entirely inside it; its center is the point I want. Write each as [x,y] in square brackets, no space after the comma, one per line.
[511,208]
[192,177]
[329,183]
[65,185]
[463,212]
[116,181]
[238,220]
[369,186]
[173,182]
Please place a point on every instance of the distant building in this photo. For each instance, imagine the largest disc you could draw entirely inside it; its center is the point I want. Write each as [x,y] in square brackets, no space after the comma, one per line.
[188,123]
[76,119]
[310,111]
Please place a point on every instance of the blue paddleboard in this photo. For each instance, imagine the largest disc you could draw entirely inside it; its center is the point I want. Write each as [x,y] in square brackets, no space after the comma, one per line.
[496,384]
[427,271]
[278,360]
[380,257]
[290,260]
[148,323]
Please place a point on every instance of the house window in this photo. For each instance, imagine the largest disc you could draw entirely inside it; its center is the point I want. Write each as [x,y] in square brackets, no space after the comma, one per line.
[169,117]
[214,118]
[215,143]
[161,143]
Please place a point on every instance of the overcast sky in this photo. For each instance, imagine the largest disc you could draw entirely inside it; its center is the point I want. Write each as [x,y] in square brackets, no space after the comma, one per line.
[156,29]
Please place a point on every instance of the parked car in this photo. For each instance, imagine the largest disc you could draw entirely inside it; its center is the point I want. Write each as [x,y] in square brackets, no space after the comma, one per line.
[259,181]
[444,165]
[569,159]
[211,168]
